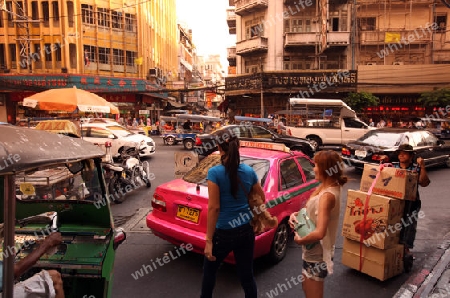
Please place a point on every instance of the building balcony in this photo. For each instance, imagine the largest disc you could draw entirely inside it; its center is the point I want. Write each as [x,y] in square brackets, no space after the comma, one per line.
[244,7]
[250,46]
[231,20]
[300,39]
[417,36]
[338,38]
[231,56]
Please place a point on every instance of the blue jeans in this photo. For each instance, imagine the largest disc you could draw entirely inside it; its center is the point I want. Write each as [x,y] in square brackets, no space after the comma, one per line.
[241,241]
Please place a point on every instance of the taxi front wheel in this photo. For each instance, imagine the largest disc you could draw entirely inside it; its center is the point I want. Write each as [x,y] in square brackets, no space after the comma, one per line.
[279,243]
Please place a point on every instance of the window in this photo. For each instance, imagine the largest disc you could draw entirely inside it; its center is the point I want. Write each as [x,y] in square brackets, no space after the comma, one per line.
[70,13]
[307,167]
[12,52]
[441,21]
[103,17]
[260,133]
[87,14]
[416,139]
[97,132]
[73,55]
[90,54]
[254,27]
[130,22]
[57,49]
[116,18]
[35,13]
[130,58]
[118,58]
[45,13]
[103,55]
[349,122]
[290,175]
[2,56]
[429,139]
[48,52]
[55,10]
[9,7]
[367,24]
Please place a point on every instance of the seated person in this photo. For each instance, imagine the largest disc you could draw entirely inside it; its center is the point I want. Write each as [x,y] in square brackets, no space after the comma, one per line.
[187,125]
[47,283]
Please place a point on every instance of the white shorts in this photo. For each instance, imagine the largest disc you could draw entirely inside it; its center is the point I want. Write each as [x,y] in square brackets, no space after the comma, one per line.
[39,285]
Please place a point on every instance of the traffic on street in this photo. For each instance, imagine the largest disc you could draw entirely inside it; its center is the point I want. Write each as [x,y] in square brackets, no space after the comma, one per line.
[148,264]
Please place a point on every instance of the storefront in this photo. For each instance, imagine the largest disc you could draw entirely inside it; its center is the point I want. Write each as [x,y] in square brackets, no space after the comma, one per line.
[126,93]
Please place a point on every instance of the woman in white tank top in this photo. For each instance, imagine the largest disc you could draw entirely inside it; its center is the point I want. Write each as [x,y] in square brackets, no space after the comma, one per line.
[322,209]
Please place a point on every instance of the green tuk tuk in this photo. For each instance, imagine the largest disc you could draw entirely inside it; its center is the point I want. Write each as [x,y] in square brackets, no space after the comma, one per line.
[48,183]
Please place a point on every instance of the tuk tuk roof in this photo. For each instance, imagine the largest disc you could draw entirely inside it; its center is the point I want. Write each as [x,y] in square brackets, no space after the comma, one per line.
[197,118]
[26,149]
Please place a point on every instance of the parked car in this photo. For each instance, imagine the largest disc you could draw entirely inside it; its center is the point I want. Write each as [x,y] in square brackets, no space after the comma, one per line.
[380,143]
[119,137]
[205,144]
[180,206]
[440,127]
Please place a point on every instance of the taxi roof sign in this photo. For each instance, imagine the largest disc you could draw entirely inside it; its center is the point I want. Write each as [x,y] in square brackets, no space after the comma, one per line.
[265,145]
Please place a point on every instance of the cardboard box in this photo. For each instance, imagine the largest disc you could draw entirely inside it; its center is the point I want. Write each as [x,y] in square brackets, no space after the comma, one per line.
[392,182]
[379,263]
[382,224]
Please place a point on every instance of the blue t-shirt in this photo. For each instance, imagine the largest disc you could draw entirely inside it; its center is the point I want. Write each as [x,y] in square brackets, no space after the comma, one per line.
[234,212]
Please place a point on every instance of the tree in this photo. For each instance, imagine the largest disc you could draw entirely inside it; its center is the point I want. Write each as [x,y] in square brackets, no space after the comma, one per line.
[435,98]
[360,100]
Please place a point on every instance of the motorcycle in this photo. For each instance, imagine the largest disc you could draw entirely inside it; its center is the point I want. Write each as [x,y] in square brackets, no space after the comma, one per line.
[135,170]
[116,180]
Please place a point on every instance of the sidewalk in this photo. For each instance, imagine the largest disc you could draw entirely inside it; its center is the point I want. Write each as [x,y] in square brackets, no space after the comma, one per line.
[433,280]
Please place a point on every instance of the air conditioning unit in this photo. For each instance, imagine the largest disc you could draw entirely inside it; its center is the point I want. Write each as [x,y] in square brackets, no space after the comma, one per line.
[397,63]
[153,72]
[371,63]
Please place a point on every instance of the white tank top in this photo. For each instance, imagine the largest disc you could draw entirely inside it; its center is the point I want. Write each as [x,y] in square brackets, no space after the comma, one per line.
[324,251]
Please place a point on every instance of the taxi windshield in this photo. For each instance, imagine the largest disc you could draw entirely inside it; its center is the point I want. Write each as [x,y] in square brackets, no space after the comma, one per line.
[199,173]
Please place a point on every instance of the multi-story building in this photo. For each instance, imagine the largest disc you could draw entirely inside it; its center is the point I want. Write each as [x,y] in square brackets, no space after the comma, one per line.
[121,50]
[325,49]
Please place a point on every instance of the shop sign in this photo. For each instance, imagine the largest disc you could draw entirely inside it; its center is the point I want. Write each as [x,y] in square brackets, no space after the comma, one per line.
[346,78]
[144,112]
[86,82]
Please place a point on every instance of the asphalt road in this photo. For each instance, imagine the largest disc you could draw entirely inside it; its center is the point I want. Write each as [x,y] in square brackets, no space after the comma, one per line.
[138,273]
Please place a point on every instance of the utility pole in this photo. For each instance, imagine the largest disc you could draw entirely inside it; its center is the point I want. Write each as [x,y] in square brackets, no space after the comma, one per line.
[262,87]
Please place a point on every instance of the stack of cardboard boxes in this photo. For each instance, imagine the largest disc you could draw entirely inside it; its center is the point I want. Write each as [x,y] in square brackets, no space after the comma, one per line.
[371,237]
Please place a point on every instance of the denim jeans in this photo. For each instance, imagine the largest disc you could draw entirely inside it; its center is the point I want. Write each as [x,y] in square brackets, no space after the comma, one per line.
[240,241]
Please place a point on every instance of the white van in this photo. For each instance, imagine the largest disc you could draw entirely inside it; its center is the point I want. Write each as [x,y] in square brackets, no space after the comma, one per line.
[325,121]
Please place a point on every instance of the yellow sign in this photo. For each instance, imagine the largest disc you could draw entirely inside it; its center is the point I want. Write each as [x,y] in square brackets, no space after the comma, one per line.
[264,145]
[139,61]
[27,189]
[391,37]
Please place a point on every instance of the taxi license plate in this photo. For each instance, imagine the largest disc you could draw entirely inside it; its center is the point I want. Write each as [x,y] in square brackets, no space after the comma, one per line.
[187,213]
[360,153]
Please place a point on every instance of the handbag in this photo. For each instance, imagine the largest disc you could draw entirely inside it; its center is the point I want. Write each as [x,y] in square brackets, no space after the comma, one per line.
[305,226]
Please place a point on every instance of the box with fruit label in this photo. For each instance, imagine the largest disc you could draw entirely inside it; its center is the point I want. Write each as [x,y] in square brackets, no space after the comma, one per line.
[379,225]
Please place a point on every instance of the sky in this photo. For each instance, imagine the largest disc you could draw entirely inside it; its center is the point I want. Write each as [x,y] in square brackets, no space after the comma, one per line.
[208,21]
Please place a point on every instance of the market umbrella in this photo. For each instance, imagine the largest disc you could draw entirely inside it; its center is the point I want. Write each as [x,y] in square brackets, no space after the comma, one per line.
[69,100]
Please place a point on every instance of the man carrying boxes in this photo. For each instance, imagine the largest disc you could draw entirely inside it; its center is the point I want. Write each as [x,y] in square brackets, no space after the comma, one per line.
[381,219]
[405,155]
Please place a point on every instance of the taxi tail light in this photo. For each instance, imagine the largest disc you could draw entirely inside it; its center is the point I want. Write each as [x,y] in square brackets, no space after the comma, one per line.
[345,151]
[107,144]
[198,142]
[380,157]
[158,203]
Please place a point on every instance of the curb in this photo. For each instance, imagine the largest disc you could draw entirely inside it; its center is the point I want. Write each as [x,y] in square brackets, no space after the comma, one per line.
[422,283]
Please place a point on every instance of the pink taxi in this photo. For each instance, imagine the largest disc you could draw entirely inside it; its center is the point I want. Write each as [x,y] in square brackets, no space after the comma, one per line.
[180,206]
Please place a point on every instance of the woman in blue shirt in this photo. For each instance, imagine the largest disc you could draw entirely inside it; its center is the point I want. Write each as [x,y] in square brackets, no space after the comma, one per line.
[228,226]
